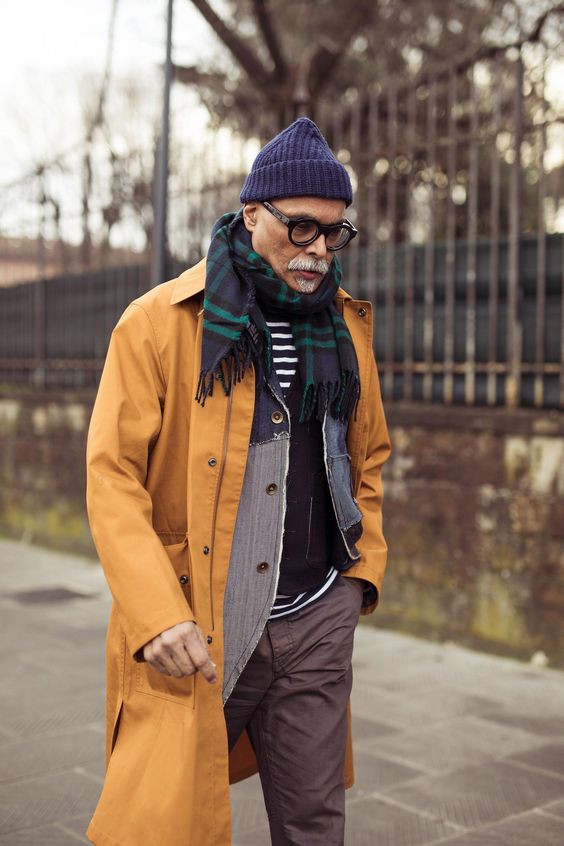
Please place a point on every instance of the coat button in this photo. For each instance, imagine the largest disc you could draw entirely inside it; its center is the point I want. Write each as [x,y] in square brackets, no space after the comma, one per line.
[263,566]
[183,580]
[271,488]
[362,311]
[206,550]
[277,417]
[210,639]
[212,462]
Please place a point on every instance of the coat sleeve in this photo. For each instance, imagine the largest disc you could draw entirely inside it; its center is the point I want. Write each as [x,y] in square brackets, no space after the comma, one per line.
[372,545]
[125,422]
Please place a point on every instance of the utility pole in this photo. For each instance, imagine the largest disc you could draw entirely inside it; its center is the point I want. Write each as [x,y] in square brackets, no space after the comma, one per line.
[158,263]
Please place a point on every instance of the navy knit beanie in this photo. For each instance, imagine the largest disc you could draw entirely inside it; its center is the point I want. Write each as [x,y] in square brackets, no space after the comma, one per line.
[297,163]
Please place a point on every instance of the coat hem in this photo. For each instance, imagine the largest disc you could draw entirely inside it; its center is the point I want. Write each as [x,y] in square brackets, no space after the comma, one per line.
[101,838]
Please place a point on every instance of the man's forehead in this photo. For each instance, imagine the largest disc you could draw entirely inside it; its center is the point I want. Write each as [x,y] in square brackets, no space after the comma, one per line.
[326,210]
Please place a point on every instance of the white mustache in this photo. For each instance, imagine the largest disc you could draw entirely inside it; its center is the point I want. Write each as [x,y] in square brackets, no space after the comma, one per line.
[311,264]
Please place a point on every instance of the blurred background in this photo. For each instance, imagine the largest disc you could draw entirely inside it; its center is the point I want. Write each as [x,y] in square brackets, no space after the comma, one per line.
[128,127]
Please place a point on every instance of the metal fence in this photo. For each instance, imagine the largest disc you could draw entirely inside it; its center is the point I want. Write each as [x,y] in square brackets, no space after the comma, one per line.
[460,205]
[56,332]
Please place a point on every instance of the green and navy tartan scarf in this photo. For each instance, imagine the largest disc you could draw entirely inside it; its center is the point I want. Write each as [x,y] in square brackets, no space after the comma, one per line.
[238,283]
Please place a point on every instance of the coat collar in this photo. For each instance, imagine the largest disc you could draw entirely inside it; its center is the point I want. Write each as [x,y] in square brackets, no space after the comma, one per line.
[193,281]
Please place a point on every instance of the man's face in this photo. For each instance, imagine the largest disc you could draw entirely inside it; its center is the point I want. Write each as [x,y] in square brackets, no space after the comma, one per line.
[271,242]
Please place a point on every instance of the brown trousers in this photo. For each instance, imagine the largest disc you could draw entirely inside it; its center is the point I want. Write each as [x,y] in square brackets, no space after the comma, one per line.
[292,698]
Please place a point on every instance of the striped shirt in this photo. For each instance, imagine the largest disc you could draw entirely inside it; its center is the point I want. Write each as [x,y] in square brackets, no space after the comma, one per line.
[284,356]
[285,360]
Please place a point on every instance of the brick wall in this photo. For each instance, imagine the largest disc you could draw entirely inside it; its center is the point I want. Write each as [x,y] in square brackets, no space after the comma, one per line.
[42,472]
[474,517]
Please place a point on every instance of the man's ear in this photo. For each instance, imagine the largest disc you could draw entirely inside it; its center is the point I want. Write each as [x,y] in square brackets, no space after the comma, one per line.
[250,215]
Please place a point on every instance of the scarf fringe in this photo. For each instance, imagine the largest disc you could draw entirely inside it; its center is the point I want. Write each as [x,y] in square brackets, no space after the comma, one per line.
[341,397]
[229,370]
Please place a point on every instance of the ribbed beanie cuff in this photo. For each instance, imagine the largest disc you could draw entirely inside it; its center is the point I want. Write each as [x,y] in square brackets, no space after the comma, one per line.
[297,163]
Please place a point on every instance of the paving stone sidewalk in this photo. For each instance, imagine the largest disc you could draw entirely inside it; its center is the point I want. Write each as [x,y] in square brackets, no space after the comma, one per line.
[452,746]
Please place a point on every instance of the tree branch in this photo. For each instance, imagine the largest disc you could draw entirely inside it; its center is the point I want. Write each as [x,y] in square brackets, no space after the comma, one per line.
[191,75]
[270,39]
[330,51]
[240,51]
[490,51]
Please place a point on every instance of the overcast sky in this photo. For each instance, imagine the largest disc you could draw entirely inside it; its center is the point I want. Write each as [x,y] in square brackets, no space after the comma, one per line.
[45,47]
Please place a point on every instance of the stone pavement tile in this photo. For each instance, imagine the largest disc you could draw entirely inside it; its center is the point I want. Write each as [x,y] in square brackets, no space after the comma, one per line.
[461,742]
[48,753]
[248,813]
[540,725]
[529,829]
[259,837]
[30,634]
[373,821]
[45,835]
[36,801]
[431,706]
[77,825]
[49,646]
[398,662]
[554,808]
[475,796]
[518,691]
[248,787]
[26,567]
[375,773]
[50,712]
[363,729]
[549,757]
[95,769]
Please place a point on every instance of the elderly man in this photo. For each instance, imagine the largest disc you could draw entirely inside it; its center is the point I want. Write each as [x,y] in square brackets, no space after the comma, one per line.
[234,495]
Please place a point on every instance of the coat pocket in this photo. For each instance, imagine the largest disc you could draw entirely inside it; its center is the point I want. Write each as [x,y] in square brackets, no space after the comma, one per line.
[150,681]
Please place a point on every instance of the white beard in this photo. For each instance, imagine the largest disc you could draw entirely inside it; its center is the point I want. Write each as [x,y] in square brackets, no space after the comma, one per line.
[306,286]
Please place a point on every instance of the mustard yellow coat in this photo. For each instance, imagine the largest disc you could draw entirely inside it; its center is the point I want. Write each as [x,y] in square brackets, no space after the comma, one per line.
[155,501]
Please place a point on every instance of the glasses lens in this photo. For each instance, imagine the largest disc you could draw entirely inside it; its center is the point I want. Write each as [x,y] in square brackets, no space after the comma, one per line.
[337,238]
[304,231]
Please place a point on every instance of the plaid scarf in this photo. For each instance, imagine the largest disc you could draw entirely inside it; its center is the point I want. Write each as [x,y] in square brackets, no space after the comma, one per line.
[238,283]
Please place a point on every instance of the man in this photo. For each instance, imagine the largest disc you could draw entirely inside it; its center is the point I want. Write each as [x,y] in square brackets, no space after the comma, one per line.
[234,496]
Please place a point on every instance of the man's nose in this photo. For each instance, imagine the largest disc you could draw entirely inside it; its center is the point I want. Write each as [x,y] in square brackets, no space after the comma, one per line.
[318,247]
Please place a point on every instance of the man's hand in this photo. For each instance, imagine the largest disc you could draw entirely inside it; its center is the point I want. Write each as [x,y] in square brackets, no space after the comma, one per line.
[180,651]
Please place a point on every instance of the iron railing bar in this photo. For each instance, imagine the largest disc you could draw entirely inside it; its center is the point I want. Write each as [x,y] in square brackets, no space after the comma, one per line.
[409,308]
[372,194]
[354,267]
[495,175]
[514,332]
[471,249]
[391,215]
[562,329]
[450,259]
[540,316]
[429,281]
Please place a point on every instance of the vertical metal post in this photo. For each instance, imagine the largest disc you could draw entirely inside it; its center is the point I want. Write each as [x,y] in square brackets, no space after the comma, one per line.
[409,319]
[514,329]
[372,196]
[39,317]
[495,179]
[429,284]
[471,249]
[541,255]
[450,259]
[562,329]
[391,215]
[357,158]
[158,265]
